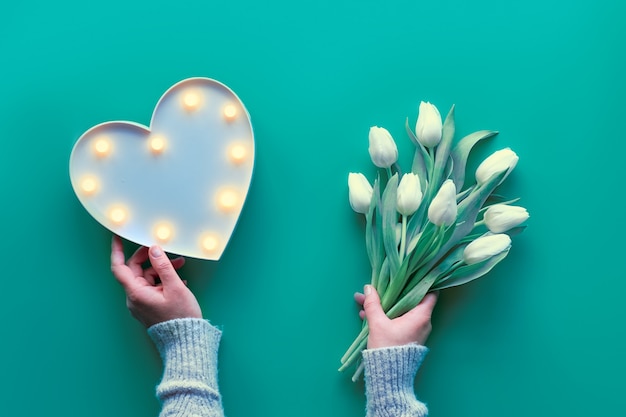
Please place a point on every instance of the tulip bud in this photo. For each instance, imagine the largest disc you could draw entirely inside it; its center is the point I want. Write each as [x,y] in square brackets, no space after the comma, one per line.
[409,194]
[383,149]
[428,127]
[443,210]
[359,192]
[499,218]
[485,247]
[498,162]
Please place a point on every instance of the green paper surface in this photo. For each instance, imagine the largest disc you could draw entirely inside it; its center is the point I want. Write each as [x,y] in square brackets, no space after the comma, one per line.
[541,334]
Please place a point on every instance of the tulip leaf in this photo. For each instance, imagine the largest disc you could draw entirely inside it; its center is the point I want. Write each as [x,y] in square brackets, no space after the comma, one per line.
[383,278]
[442,236]
[499,199]
[470,237]
[515,231]
[455,256]
[468,209]
[395,287]
[410,133]
[422,163]
[413,297]
[390,219]
[373,241]
[438,238]
[442,151]
[469,273]
[416,221]
[449,169]
[378,221]
[444,268]
[423,244]
[461,152]
[461,196]
[396,169]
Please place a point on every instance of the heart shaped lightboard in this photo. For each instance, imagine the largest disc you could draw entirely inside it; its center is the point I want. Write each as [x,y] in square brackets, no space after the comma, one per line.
[180,183]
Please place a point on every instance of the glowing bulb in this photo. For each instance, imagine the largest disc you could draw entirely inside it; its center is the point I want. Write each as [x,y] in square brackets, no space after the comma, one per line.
[102,147]
[118,215]
[163,232]
[230,112]
[210,243]
[157,144]
[237,153]
[227,200]
[89,185]
[191,100]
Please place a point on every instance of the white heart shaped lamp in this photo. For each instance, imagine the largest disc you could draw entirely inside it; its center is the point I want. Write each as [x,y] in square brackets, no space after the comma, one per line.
[182,182]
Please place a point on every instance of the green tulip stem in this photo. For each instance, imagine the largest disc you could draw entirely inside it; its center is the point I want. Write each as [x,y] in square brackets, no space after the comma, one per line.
[431,170]
[374,279]
[353,355]
[434,179]
[358,372]
[357,342]
[403,239]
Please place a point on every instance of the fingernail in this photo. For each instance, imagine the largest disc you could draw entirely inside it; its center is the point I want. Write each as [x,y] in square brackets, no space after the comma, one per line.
[367,290]
[156,251]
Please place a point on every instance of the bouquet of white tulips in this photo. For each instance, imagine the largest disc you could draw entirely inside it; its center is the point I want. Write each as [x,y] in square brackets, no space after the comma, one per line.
[425,230]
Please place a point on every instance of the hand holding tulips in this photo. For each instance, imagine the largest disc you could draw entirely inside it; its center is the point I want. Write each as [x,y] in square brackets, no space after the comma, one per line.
[412,327]
[424,230]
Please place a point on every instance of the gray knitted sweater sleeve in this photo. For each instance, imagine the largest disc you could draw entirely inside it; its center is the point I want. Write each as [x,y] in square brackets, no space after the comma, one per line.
[188,348]
[389,378]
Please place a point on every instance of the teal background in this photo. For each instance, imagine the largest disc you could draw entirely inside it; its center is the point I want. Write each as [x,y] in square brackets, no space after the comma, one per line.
[542,335]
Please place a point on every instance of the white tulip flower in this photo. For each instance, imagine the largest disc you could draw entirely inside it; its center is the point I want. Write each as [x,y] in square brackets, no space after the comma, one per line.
[485,247]
[359,192]
[428,127]
[409,194]
[496,163]
[443,209]
[382,149]
[500,217]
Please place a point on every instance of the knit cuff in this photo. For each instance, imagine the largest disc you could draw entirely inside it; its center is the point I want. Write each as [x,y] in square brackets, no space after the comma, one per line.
[389,380]
[188,348]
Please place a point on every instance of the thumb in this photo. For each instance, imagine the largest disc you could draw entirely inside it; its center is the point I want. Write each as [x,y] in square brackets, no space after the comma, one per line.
[163,266]
[371,305]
